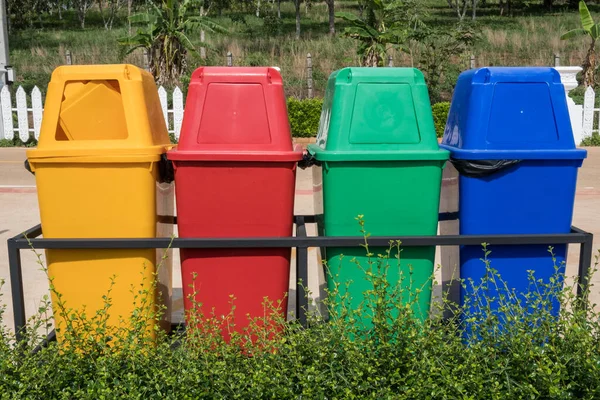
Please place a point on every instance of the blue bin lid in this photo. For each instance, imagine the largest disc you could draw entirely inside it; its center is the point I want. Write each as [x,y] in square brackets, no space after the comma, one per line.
[510,113]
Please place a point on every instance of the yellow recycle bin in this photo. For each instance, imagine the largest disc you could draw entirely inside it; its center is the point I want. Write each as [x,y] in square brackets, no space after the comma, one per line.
[97,169]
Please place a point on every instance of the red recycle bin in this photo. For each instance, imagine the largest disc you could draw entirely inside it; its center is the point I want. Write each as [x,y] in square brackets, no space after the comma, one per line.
[235,171]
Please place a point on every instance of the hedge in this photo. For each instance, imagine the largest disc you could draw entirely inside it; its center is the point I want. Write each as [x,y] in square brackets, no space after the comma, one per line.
[440,115]
[536,355]
[304,116]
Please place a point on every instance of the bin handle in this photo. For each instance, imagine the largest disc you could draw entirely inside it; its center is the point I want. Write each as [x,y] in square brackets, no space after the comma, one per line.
[28,167]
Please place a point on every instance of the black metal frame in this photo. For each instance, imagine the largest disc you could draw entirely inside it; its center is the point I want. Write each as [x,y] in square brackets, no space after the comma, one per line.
[29,239]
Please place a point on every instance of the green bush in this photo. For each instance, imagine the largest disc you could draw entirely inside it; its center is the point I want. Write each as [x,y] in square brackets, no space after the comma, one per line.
[593,140]
[17,142]
[535,356]
[440,115]
[304,116]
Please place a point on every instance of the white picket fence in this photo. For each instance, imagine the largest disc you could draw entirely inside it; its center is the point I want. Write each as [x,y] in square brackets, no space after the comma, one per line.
[590,113]
[28,111]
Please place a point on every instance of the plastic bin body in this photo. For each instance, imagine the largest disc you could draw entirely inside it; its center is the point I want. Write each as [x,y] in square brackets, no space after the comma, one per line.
[380,159]
[89,187]
[235,173]
[513,114]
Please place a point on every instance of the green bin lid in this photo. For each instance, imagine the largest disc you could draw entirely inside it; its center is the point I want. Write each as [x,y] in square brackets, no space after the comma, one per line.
[376,114]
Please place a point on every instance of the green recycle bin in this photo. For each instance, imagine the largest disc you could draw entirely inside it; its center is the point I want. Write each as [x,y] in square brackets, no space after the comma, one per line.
[379,157]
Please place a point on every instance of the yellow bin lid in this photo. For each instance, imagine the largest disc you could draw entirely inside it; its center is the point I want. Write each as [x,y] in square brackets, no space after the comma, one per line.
[101,111]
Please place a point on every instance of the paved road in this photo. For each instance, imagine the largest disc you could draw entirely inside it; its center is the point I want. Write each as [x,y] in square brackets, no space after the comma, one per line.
[19,211]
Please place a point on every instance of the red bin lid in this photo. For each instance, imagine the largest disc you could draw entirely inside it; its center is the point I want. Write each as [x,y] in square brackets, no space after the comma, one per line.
[235,114]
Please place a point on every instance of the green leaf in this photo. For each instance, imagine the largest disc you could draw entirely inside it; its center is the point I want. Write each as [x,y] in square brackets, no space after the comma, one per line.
[574,33]
[185,41]
[359,32]
[347,16]
[586,18]
[595,32]
[140,18]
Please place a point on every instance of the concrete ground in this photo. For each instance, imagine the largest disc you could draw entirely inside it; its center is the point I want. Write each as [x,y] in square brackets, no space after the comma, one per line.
[19,211]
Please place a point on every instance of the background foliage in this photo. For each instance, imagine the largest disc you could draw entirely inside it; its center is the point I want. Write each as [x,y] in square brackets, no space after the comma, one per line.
[304,116]
[536,355]
[440,115]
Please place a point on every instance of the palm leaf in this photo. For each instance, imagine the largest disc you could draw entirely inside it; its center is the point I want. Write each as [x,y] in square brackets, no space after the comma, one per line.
[185,41]
[586,18]
[595,32]
[347,16]
[574,33]
[140,18]
[358,32]
[205,24]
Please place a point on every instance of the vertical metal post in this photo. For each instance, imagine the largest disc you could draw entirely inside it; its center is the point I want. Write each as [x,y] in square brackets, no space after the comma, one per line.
[229,59]
[585,261]
[16,285]
[146,59]
[68,57]
[309,75]
[557,60]
[472,61]
[390,61]
[301,275]
[3,39]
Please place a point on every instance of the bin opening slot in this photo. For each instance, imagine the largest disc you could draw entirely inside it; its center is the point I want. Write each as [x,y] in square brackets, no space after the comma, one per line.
[92,110]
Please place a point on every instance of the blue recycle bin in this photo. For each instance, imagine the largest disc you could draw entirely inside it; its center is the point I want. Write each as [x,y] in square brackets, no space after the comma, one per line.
[511,141]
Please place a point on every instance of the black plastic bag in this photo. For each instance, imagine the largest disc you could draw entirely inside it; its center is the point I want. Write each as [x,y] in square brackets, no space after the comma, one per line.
[308,160]
[481,168]
[28,167]
[166,174]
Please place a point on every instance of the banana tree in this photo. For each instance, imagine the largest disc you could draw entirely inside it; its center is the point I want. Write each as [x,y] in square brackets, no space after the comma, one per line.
[592,30]
[373,32]
[164,33]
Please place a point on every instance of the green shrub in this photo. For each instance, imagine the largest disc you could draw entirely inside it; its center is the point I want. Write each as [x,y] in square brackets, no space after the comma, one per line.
[593,140]
[440,115]
[17,142]
[536,356]
[304,116]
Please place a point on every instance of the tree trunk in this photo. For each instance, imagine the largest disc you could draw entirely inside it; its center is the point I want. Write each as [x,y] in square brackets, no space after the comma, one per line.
[371,59]
[129,4]
[474,9]
[331,9]
[279,9]
[81,15]
[258,8]
[101,9]
[202,49]
[297,4]
[589,66]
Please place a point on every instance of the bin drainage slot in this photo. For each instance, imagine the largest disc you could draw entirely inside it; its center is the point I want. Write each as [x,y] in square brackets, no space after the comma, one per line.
[92,110]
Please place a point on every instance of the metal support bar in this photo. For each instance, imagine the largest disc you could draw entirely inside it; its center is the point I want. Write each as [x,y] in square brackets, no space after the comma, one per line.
[301,242]
[16,285]
[301,274]
[585,261]
[281,242]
